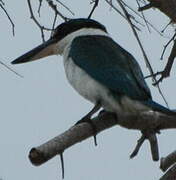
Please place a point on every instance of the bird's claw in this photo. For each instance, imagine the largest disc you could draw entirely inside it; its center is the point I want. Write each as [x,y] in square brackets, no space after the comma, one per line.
[94,128]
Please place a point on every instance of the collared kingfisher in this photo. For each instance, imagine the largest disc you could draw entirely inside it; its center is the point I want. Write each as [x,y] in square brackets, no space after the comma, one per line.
[98,68]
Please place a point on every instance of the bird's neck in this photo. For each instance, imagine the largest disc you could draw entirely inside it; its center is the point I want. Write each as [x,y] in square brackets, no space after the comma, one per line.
[66,41]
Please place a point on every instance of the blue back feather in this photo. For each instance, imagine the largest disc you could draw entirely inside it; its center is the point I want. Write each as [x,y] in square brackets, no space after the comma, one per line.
[112,66]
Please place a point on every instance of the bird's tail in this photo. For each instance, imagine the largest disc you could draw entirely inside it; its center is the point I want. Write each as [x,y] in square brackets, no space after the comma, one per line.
[158,107]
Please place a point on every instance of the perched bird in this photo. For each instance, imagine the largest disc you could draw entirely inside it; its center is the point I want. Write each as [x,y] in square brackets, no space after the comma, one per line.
[98,68]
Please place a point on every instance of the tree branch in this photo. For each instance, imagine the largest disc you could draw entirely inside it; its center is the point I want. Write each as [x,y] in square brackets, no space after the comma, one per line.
[39,7]
[170,174]
[42,28]
[148,121]
[168,161]
[94,7]
[54,7]
[166,72]
[167,7]
[10,69]
[67,8]
[151,136]
[143,51]
[8,16]
[150,5]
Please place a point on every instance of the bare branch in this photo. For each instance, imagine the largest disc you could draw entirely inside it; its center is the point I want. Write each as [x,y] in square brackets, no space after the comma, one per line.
[120,13]
[130,15]
[148,6]
[170,174]
[62,165]
[165,47]
[75,134]
[143,51]
[13,26]
[2,2]
[147,22]
[94,7]
[145,121]
[143,16]
[168,161]
[151,136]
[137,37]
[166,72]
[39,7]
[138,146]
[66,7]
[54,22]
[54,7]
[167,7]
[11,69]
[166,27]
[42,28]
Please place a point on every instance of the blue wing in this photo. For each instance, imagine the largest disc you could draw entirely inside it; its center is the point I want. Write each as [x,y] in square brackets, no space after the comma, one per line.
[109,64]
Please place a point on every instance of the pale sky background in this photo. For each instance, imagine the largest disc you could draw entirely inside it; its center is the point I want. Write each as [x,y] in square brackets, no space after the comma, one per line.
[42,104]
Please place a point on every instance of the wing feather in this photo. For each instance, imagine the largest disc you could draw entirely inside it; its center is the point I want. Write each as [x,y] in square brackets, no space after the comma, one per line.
[111,65]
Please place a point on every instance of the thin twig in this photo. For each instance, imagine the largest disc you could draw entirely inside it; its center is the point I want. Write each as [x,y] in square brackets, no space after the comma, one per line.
[170,174]
[131,9]
[11,69]
[120,13]
[112,6]
[143,51]
[62,165]
[54,22]
[142,1]
[168,161]
[34,19]
[138,146]
[151,136]
[151,75]
[144,17]
[66,7]
[94,7]
[148,23]
[147,6]
[54,7]
[2,2]
[13,25]
[39,7]
[166,72]
[165,47]
[42,28]
[162,31]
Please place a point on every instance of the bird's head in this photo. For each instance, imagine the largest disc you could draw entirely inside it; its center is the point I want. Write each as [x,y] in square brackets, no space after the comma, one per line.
[61,37]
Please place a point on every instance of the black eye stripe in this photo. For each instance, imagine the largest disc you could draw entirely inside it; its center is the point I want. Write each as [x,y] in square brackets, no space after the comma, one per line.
[73,25]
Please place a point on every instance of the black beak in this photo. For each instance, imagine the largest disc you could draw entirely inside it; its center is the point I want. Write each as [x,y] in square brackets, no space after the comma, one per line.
[43,50]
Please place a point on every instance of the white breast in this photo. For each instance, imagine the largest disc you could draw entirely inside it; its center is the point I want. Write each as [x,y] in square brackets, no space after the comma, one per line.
[82,82]
[93,91]
[87,86]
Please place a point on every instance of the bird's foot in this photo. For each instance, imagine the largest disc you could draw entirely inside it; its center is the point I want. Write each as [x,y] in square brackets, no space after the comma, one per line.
[87,119]
[102,112]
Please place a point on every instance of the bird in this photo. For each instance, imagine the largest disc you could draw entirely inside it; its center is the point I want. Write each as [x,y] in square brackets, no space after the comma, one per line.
[98,68]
